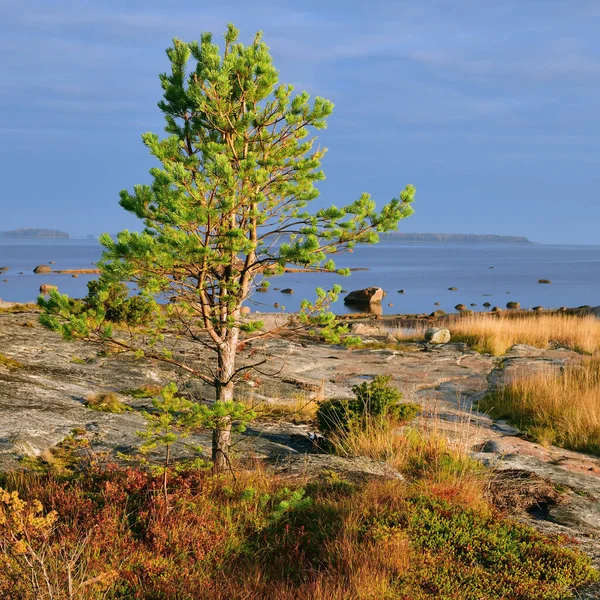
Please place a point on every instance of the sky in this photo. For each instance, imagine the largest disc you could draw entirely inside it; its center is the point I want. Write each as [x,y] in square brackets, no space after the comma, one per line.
[489,108]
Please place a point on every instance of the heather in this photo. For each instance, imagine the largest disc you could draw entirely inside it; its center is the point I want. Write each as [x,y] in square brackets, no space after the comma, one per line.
[109,532]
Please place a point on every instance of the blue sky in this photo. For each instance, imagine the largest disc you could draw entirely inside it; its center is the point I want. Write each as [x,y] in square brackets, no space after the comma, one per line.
[490,109]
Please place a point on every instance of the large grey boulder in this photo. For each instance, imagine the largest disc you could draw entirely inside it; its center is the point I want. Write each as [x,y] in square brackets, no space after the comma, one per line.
[370,295]
[437,335]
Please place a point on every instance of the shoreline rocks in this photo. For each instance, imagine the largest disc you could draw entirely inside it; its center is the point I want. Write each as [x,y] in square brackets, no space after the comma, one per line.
[365,297]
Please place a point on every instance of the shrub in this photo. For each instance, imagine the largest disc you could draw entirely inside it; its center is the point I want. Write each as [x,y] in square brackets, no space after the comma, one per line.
[117,304]
[109,534]
[372,404]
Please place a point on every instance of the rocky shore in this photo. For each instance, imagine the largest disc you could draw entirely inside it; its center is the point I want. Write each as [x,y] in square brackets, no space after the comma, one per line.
[45,380]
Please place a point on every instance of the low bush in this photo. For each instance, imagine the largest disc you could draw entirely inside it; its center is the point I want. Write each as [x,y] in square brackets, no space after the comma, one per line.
[109,533]
[373,403]
[117,303]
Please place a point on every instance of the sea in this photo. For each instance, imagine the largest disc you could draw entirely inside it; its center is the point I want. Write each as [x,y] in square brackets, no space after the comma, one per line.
[495,273]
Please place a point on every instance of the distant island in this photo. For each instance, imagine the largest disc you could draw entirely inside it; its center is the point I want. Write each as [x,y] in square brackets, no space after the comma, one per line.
[46,234]
[461,238]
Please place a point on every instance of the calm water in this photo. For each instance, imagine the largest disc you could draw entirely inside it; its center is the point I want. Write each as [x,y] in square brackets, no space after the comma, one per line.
[424,271]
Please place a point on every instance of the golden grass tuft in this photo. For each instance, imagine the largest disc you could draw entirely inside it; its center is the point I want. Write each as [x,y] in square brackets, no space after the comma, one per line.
[425,455]
[496,335]
[300,409]
[106,402]
[10,363]
[554,407]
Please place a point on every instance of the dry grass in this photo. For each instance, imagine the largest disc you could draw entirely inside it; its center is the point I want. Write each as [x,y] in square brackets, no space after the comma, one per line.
[495,335]
[18,308]
[423,454]
[554,407]
[10,363]
[299,409]
[106,402]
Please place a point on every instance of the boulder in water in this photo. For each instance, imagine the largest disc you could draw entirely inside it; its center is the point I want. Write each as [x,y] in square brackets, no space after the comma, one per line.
[42,269]
[371,295]
[46,288]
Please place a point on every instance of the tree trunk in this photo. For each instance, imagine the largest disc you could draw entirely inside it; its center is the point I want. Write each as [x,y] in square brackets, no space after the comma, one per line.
[221,440]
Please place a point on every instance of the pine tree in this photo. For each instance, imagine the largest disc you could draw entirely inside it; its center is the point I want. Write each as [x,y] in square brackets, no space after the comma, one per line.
[226,209]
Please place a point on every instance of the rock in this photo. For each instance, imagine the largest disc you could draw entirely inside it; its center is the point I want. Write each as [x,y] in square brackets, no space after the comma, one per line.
[275,304]
[245,310]
[4,280]
[486,294]
[401,291]
[276,289]
[42,269]
[262,289]
[437,335]
[487,304]
[453,289]
[46,288]
[75,275]
[466,313]
[437,313]
[496,309]
[357,468]
[513,305]
[494,446]
[287,291]
[436,303]
[505,428]
[473,304]
[538,308]
[2,269]
[544,281]
[371,295]
[460,307]
[365,329]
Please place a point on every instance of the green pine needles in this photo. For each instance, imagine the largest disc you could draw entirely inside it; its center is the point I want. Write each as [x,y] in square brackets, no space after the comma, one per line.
[227,208]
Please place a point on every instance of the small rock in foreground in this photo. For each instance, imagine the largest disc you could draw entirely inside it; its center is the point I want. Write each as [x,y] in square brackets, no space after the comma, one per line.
[437,335]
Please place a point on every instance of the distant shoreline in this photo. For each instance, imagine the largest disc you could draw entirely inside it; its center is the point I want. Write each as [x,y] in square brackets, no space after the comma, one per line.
[461,238]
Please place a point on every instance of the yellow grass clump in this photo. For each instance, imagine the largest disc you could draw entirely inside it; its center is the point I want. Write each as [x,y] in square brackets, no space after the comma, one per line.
[496,335]
[554,407]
